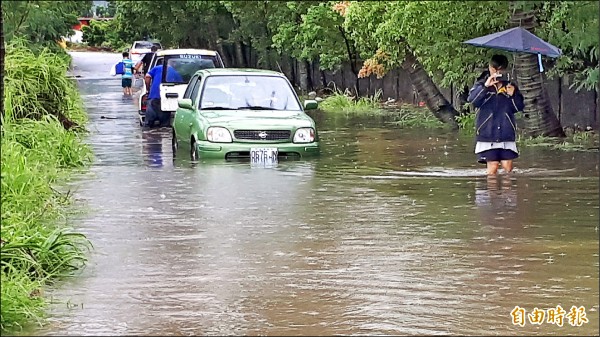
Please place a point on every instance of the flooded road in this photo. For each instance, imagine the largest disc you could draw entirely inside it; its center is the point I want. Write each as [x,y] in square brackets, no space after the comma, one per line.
[389,231]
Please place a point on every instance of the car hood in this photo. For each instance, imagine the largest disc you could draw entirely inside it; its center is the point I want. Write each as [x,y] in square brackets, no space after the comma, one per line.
[248,119]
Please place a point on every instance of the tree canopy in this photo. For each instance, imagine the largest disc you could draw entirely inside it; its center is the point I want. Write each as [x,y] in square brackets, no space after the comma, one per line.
[41,23]
[335,33]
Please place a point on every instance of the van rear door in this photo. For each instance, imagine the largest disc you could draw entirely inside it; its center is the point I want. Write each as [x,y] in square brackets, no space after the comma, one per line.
[177,72]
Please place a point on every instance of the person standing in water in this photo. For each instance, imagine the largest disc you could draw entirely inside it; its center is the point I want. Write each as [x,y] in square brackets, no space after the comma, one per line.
[126,78]
[496,100]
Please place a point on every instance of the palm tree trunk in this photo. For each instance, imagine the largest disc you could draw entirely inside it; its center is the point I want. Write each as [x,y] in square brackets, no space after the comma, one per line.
[428,91]
[239,55]
[303,75]
[540,119]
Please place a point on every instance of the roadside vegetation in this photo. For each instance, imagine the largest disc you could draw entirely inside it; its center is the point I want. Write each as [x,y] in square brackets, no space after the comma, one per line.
[107,35]
[401,115]
[41,145]
[350,104]
[586,141]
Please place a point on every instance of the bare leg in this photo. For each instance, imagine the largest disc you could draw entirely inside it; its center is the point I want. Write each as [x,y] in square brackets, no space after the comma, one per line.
[507,165]
[492,167]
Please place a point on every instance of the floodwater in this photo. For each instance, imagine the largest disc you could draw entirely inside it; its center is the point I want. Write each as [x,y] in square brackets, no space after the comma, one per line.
[388,232]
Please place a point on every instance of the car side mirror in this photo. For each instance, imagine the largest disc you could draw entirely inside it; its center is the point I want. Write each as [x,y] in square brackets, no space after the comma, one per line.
[310,104]
[185,103]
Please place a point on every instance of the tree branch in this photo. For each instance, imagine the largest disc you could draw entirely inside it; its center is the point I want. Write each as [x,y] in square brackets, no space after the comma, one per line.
[25,15]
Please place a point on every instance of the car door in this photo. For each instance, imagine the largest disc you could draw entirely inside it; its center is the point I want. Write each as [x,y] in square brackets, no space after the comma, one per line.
[185,118]
[171,89]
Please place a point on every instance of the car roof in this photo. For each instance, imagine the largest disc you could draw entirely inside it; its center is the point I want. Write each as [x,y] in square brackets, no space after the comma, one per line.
[240,71]
[186,51]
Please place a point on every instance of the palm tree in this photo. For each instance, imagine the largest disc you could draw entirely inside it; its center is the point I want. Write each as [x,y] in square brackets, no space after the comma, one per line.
[427,90]
[540,119]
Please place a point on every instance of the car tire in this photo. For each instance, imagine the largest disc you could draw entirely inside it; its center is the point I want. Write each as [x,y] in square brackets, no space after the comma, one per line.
[174,144]
[194,151]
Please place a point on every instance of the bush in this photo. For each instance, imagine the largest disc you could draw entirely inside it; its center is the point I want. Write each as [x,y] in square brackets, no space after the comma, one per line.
[466,122]
[108,34]
[36,151]
[37,86]
[341,102]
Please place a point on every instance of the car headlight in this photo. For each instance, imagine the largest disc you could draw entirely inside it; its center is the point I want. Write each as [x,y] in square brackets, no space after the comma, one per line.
[304,135]
[218,135]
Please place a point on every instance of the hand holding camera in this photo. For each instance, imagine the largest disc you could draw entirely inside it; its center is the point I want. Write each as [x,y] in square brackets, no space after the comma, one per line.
[491,80]
[499,77]
[503,77]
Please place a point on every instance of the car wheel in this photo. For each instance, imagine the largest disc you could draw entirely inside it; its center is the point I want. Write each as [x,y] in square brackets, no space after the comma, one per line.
[174,144]
[194,151]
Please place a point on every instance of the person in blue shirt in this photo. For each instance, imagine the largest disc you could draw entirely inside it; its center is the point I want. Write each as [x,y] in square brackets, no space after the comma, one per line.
[127,76]
[153,80]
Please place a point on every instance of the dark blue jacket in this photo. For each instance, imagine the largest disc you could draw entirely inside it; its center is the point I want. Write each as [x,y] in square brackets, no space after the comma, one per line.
[495,119]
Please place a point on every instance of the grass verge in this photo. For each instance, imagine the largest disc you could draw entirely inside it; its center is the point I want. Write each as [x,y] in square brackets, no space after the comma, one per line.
[343,102]
[37,153]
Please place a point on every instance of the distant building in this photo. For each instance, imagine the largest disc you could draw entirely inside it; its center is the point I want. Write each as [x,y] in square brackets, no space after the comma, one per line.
[82,22]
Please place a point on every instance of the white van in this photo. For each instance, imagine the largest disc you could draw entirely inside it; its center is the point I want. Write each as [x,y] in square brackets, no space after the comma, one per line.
[182,64]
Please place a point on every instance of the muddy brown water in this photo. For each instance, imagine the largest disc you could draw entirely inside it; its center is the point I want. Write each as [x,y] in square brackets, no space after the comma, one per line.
[388,232]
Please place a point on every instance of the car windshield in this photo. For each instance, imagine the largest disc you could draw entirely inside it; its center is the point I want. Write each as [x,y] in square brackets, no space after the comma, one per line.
[184,66]
[146,45]
[252,92]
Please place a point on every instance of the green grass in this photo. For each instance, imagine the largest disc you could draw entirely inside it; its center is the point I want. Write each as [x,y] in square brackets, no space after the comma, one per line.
[586,141]
[466,122]
[341,102]
[406,115]
[35,85]
[37,154]
[409,116]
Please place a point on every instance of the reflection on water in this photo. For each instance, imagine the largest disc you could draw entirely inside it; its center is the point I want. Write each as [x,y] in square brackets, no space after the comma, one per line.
[388,232]
[496,196]
[153,144]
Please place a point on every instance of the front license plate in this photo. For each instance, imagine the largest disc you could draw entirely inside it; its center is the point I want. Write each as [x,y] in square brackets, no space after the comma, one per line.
[263,156]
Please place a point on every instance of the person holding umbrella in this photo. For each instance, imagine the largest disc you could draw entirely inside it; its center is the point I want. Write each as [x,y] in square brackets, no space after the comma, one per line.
[497,100]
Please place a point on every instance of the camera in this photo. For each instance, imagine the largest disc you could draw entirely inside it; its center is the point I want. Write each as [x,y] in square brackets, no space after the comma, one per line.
[503,77]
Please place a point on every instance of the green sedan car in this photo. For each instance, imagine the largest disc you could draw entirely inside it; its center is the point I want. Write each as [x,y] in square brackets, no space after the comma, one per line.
[243,113]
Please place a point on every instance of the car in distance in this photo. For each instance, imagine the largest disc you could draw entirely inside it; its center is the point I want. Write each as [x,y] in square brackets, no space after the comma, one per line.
[184,63]
[243,113]
[139,48]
